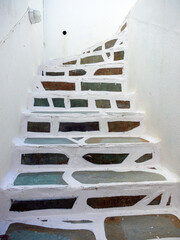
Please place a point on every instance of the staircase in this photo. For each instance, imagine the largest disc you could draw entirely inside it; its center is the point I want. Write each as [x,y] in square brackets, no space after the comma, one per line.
[84,167]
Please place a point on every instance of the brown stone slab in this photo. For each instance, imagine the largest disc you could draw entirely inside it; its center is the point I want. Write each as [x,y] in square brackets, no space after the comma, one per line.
[122,126]
[54,86]
[144,158]
[80,126]
[123,27]
[112,202]
[123,104]
[38,127]
[109,71]
[110,43]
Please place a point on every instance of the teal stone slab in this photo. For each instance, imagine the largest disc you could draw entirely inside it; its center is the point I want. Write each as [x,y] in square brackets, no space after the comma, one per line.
[48,141]
[42,178]
[115,140]
[19,231]
[41,102]
[58,102]
[95,177]
[79,103]
[142,227]
[65,112]
[111,87]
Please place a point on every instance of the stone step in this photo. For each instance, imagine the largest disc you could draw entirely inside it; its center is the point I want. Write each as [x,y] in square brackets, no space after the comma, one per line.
[43,124]
[80,85]
[53,153]
[115,69]
[64,193]
[115,54]
[87,227]
[53,101]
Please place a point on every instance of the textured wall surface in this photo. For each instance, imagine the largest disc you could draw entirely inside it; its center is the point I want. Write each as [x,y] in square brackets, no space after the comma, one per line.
[86,23]
[20,56]
[154,71]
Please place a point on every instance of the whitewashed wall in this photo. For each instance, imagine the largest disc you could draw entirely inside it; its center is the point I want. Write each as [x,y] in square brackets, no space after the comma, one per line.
[86,21]
[154,71]
[20,55]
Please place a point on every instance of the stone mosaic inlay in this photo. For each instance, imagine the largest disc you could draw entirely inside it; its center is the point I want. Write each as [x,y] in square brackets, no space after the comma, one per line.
[112,202]
[40,178]
[19,231]
[78,127]
[44,158]
[95,177]
[109,71]
[105,158]
[38,127]
[22,206]
[55,86]
[142,227]
[111,87]
[122,126]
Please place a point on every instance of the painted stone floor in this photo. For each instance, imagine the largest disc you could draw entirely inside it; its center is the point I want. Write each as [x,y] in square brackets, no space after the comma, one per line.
[163,226]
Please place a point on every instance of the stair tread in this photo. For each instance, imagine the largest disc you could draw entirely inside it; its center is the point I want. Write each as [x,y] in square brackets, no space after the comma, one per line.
[89,140]
[135,227]
[88,177]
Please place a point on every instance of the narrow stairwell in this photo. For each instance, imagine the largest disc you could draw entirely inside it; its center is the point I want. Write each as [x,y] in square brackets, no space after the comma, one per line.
[84,167]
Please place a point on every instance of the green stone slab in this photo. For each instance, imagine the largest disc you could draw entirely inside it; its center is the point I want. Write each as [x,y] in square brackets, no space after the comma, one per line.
[111,87]
[44,158]
[94,177]
[19,231]
[97,49]
[48,141]
[42,178]
[58,102]
[92,59]
[118,55]
[142,227]
[79,103]
[115,140]
[101,103]
[41,102]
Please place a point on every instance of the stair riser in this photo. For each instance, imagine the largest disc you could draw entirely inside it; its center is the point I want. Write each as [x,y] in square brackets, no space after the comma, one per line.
[56,102]
[76,157]
[101,69]
[80,85]
[80,125]
[153,197]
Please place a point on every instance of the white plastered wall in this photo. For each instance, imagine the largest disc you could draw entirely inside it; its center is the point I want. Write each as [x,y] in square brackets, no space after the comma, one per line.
[86,22]
[20,55]
[154,72]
